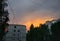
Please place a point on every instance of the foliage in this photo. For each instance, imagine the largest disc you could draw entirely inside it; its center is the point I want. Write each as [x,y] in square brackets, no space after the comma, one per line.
[42,33]
[3,18]
[56,31]
[35,34]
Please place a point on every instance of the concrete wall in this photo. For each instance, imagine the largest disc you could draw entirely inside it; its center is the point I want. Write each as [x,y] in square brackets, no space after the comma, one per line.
[16,33]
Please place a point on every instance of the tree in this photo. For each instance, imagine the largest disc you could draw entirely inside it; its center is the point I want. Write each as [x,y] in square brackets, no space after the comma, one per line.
[29,36]
[43,32]
[31,27]
[56,31]
[35,33]
[3,18]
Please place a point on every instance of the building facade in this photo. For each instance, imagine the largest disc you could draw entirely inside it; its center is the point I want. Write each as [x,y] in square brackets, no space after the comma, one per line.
[16,33]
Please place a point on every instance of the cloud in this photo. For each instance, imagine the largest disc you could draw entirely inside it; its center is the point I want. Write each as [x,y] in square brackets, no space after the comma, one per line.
[32,5]
[22,7]
[28,10]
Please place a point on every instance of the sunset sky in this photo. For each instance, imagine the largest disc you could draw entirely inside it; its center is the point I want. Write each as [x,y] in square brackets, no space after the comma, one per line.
[28,12]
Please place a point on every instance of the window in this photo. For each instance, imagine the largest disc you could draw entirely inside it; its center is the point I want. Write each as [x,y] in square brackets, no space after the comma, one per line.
[18,30]
[14,30]
[15,27]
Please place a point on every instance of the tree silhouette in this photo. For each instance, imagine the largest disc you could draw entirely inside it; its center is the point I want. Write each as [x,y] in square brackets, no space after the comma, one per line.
[56,31]
[31,27]
[42,33]
[36,33]
[3,18]
[29,36]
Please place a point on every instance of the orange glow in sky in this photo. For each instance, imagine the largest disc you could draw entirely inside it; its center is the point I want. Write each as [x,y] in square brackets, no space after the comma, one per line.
[36,22]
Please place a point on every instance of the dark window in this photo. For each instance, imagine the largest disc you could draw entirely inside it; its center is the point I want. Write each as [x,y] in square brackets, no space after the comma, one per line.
[14,30]
[15,27]
[18,30]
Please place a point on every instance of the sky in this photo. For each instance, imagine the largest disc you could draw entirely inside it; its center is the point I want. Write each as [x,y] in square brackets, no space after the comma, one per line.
[35,12]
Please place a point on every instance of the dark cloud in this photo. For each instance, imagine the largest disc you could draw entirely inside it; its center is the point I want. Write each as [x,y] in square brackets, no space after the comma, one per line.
[24,9]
